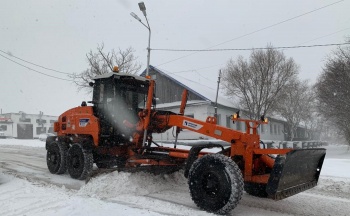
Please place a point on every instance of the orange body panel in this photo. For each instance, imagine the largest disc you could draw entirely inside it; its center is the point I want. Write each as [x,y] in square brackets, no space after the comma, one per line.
[79,121]
[209,129]
[245,144]
[261,179]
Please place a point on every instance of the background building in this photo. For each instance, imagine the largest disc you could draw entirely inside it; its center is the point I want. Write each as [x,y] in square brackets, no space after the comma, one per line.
[26,126]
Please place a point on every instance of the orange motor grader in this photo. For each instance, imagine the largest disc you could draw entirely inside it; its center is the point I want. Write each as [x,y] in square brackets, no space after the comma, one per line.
[116,130]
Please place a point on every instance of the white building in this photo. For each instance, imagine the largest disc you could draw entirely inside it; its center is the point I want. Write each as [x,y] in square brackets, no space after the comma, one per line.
[26,126]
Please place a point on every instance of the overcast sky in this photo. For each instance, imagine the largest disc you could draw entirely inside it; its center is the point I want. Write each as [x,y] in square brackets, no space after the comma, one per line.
[58,34]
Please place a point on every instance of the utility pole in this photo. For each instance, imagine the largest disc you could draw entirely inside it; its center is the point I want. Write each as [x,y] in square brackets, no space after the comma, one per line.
[216,99]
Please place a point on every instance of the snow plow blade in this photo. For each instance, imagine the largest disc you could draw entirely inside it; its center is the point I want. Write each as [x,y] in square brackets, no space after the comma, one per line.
[295,172]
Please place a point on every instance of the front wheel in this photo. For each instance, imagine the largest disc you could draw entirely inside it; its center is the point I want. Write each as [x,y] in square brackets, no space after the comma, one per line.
[79,162]
[216,183]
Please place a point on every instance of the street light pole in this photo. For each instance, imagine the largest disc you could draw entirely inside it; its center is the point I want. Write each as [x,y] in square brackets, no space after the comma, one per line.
[143,9]
[148,48]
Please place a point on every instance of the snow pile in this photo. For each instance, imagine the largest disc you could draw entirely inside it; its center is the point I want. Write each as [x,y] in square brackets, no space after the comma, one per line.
[165,194]
[122,183]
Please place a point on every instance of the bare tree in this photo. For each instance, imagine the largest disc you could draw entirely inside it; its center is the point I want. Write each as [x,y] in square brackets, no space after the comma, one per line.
[322,129]
[295,105]
[258,83]
[333,90]
[102,62]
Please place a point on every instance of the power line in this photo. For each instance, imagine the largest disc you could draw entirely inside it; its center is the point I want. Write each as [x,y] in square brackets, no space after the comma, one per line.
[34,63]
[195,71]
[249,49]
[188,79]
[317,9]
[270,26]
[324,36]
[33,69]
[296,45]
[183,71]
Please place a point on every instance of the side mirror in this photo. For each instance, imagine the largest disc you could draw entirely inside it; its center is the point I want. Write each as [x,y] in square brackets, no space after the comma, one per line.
[91,84]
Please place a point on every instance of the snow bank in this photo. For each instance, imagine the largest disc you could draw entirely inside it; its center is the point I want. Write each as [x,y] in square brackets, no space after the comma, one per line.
[336,167]
[21,142]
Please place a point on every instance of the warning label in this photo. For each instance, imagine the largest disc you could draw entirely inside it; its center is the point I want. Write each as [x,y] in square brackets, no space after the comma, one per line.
[192,125]
[83,122]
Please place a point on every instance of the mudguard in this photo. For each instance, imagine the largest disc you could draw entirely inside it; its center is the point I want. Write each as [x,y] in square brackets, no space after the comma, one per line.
[49,140]
[295,172]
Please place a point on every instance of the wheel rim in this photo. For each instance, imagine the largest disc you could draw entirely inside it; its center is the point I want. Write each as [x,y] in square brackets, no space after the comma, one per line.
[75,162]
[53,158]
[210,184]
[75,159]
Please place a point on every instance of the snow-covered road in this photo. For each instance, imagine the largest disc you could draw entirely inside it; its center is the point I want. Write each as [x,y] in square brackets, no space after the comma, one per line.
[28,188]
[30,163]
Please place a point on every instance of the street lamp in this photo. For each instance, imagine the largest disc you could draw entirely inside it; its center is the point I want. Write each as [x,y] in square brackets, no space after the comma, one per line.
[143,9]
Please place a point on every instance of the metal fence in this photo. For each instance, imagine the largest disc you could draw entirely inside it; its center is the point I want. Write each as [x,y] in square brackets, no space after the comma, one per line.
[293,144]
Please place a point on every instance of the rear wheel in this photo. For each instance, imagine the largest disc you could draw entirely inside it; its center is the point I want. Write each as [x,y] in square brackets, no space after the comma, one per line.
[79,161]
[56,158]
[216,183]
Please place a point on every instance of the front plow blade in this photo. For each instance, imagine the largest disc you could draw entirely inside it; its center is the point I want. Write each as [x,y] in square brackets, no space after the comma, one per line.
[295,172]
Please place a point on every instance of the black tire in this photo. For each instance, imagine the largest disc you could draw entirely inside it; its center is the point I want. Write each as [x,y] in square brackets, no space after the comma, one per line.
[255,189]
[56,157]
[49,140]
[79,162]
[216,183]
